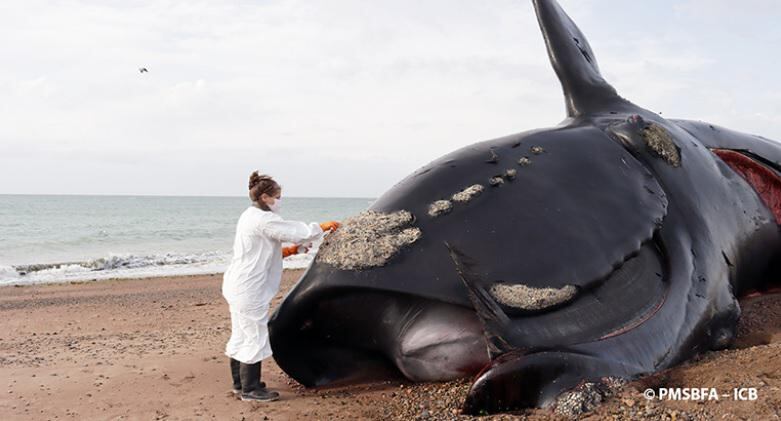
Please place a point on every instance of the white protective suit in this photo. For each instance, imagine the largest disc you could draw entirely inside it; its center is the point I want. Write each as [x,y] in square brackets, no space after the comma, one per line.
[253,278]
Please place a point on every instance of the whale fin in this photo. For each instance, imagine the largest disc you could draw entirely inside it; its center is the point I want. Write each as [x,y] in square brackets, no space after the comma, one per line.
[520,380]
[576,66]
[492,317]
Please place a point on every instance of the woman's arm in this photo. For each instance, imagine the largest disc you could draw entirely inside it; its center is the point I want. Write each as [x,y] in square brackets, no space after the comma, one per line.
[289,251]
[291,231]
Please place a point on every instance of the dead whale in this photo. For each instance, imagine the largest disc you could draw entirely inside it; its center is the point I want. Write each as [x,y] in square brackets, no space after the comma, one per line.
[611,246]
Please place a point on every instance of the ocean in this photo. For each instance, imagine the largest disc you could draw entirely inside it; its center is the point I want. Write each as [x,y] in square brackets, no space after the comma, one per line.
[45,239]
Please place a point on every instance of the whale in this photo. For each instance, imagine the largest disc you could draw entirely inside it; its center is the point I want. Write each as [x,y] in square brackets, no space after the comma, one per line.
[611,246]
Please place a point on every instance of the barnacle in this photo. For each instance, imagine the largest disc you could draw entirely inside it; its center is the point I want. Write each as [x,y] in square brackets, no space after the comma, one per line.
[530,298]
[369,239]
[468,193]
[440,207]
[661,144]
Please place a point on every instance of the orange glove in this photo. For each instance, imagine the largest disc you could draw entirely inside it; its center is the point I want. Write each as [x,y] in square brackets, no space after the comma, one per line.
[289,251]
[330,225]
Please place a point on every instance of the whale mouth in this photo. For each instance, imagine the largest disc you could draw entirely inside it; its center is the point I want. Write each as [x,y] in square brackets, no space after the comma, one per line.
[599,309]
[396,336]
[318,344]
[765,181]
[626,298]
[325,343]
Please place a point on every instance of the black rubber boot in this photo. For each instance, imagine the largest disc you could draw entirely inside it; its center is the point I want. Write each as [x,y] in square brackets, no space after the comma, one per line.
[236,377]
[235,364]
[251,390]
[261,383]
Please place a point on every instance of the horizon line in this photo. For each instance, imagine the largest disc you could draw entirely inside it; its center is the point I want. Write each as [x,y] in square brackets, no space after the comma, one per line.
[175,195]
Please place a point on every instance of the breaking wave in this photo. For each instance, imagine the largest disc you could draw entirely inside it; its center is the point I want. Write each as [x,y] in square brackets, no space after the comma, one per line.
[131,266]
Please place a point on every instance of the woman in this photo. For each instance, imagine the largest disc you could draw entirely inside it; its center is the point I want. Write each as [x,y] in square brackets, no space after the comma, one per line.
[253,278]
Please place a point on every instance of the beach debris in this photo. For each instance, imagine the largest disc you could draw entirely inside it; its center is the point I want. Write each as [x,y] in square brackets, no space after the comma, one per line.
[524,161]
[496,180]
[537,150]
[468,193]
[661,144]
[369,239]
[440,207]
[530,298]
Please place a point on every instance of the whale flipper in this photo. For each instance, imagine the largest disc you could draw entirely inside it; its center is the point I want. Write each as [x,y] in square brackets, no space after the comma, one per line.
[494,320]
[585,90]
[517,380]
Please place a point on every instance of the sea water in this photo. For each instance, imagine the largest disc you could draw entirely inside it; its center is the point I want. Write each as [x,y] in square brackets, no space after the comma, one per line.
[74,238]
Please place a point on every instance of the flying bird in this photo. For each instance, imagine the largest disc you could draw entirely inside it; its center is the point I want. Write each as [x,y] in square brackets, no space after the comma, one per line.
[143,70]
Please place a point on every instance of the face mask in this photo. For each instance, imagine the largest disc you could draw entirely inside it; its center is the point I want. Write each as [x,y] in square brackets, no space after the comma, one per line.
[276,206]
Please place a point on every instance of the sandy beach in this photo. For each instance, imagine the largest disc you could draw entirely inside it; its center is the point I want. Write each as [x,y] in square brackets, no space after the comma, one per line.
[152,349]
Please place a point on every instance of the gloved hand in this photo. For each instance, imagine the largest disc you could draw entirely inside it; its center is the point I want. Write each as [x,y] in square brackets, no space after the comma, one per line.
[330,225]
[289,251]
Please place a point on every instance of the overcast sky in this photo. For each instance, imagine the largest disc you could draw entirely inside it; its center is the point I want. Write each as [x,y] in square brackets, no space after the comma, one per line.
[338,98]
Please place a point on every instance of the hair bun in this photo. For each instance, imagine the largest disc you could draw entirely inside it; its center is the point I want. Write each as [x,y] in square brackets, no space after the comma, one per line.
[260,184]
[254,179]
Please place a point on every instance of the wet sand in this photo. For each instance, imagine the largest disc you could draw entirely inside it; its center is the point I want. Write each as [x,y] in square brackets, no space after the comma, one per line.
[153,349]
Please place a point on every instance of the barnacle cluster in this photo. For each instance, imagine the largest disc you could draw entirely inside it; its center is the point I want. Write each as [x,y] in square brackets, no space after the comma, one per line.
[530,298]
[661,144]
[440,207]
[369,239]
[468,193]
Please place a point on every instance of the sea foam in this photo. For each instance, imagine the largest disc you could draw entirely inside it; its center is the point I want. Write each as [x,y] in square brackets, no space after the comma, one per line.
[131,266]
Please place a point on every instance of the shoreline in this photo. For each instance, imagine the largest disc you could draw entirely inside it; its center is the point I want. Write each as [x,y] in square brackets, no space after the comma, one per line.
[152,348]
[119,279]
[129,277]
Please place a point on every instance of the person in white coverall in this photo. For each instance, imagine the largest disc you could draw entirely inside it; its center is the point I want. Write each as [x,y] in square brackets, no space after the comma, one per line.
[253,278]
